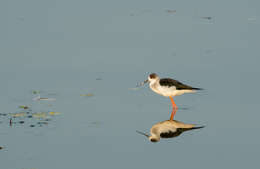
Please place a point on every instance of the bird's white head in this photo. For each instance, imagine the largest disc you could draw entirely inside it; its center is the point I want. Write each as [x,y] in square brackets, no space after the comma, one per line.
[153,78]
[154,138]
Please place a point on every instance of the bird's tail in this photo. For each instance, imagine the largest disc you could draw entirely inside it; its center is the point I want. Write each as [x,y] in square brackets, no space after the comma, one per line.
[194,88]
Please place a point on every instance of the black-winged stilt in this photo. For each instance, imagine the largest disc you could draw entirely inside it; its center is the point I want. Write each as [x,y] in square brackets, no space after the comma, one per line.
[169,88]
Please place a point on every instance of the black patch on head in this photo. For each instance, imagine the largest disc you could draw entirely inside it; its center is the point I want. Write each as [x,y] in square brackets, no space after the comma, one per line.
[153,76]
[179,86]
[153,140]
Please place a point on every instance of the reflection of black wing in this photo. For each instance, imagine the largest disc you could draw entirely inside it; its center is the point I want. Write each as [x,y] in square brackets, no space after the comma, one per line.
[170,134]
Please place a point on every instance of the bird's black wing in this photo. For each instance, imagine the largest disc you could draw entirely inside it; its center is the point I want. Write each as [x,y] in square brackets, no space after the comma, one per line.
[179,86]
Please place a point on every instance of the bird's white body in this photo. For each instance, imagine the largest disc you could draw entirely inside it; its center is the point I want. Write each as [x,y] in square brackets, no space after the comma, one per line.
[166,90]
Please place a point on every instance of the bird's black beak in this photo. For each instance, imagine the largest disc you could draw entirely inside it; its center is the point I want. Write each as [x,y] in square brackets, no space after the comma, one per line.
[143,83]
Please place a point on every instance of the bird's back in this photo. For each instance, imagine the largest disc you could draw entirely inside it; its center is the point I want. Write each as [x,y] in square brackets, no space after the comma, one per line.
[179,86]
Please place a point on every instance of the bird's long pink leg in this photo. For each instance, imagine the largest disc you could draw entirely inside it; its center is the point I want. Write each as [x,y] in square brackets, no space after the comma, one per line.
[174,108]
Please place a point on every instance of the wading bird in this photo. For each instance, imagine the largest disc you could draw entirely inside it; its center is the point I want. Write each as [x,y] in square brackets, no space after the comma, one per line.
[169,88]
[168,129]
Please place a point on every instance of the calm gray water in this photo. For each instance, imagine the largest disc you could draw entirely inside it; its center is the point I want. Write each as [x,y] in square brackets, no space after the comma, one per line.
[64,49]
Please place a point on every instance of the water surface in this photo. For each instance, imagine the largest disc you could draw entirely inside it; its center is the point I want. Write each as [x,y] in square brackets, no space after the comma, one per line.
[64,49]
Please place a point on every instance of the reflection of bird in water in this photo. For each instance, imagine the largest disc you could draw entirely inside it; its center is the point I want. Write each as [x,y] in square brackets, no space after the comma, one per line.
[168,88]
[168,129]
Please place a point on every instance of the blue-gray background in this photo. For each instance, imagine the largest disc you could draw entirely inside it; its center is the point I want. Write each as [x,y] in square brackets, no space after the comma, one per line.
[64,46]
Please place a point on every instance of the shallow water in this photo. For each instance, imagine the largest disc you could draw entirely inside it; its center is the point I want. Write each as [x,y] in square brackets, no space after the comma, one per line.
[67,49]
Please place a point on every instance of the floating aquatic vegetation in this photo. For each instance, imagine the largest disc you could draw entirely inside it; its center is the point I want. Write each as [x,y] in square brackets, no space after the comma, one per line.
[10,121]
[96,123]
[134,88]
[206,17]
[43,122]
[21,122]
[39,115]
[87,95]
[20,114]
[54,113]
[35,91]
[52,94]
[23,107]
[39,98]
[170,11]
[26,115]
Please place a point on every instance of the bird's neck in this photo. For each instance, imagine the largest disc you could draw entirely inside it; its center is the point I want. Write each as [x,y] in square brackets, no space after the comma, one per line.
[155,82]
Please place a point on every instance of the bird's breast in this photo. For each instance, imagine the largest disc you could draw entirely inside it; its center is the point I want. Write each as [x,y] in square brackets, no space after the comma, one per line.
[163,90]
[155,88]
